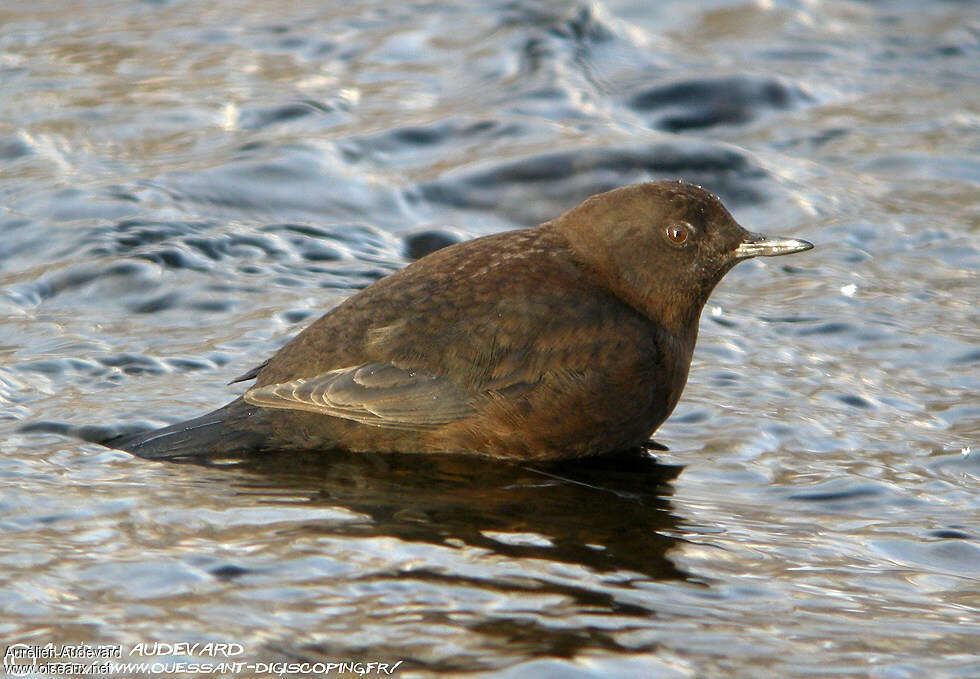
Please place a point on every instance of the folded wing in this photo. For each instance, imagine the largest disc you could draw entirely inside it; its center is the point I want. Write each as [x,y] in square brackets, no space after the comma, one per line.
[378,394]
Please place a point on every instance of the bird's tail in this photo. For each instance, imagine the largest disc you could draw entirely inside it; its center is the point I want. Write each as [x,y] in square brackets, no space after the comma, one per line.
[205,436]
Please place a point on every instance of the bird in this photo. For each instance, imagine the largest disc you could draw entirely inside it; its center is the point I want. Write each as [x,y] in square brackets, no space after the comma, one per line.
[569,339]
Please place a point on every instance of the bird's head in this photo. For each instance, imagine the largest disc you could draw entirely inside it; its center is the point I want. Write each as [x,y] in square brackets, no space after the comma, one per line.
[662,247]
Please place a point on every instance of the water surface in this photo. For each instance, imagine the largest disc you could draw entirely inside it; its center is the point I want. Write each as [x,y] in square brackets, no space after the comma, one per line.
[183,187]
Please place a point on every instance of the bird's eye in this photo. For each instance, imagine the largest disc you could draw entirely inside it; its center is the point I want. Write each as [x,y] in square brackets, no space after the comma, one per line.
[677,234]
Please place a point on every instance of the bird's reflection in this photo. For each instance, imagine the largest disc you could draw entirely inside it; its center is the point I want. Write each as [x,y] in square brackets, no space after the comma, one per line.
[605,513]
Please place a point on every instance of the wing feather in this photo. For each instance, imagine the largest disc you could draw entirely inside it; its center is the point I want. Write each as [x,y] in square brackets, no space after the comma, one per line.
[379,394]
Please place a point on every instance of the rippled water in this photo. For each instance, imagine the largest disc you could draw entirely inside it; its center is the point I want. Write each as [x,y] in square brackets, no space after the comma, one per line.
[184,185]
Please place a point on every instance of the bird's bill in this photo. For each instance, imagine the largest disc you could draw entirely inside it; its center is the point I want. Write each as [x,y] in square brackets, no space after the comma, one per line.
[757,245]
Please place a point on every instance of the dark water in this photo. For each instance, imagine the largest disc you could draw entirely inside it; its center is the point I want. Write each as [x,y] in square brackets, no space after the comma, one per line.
[184,185]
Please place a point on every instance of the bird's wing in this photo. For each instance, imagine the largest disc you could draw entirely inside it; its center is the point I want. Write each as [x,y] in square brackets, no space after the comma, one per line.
[379,394]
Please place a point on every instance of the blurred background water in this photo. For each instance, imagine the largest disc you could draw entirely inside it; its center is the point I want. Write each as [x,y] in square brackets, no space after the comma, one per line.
[183,186]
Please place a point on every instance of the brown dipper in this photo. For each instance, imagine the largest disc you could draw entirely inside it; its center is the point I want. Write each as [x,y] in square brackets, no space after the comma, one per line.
[572,338]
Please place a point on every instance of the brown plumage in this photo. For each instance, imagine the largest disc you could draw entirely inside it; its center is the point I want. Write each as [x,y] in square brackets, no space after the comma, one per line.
[572,338]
